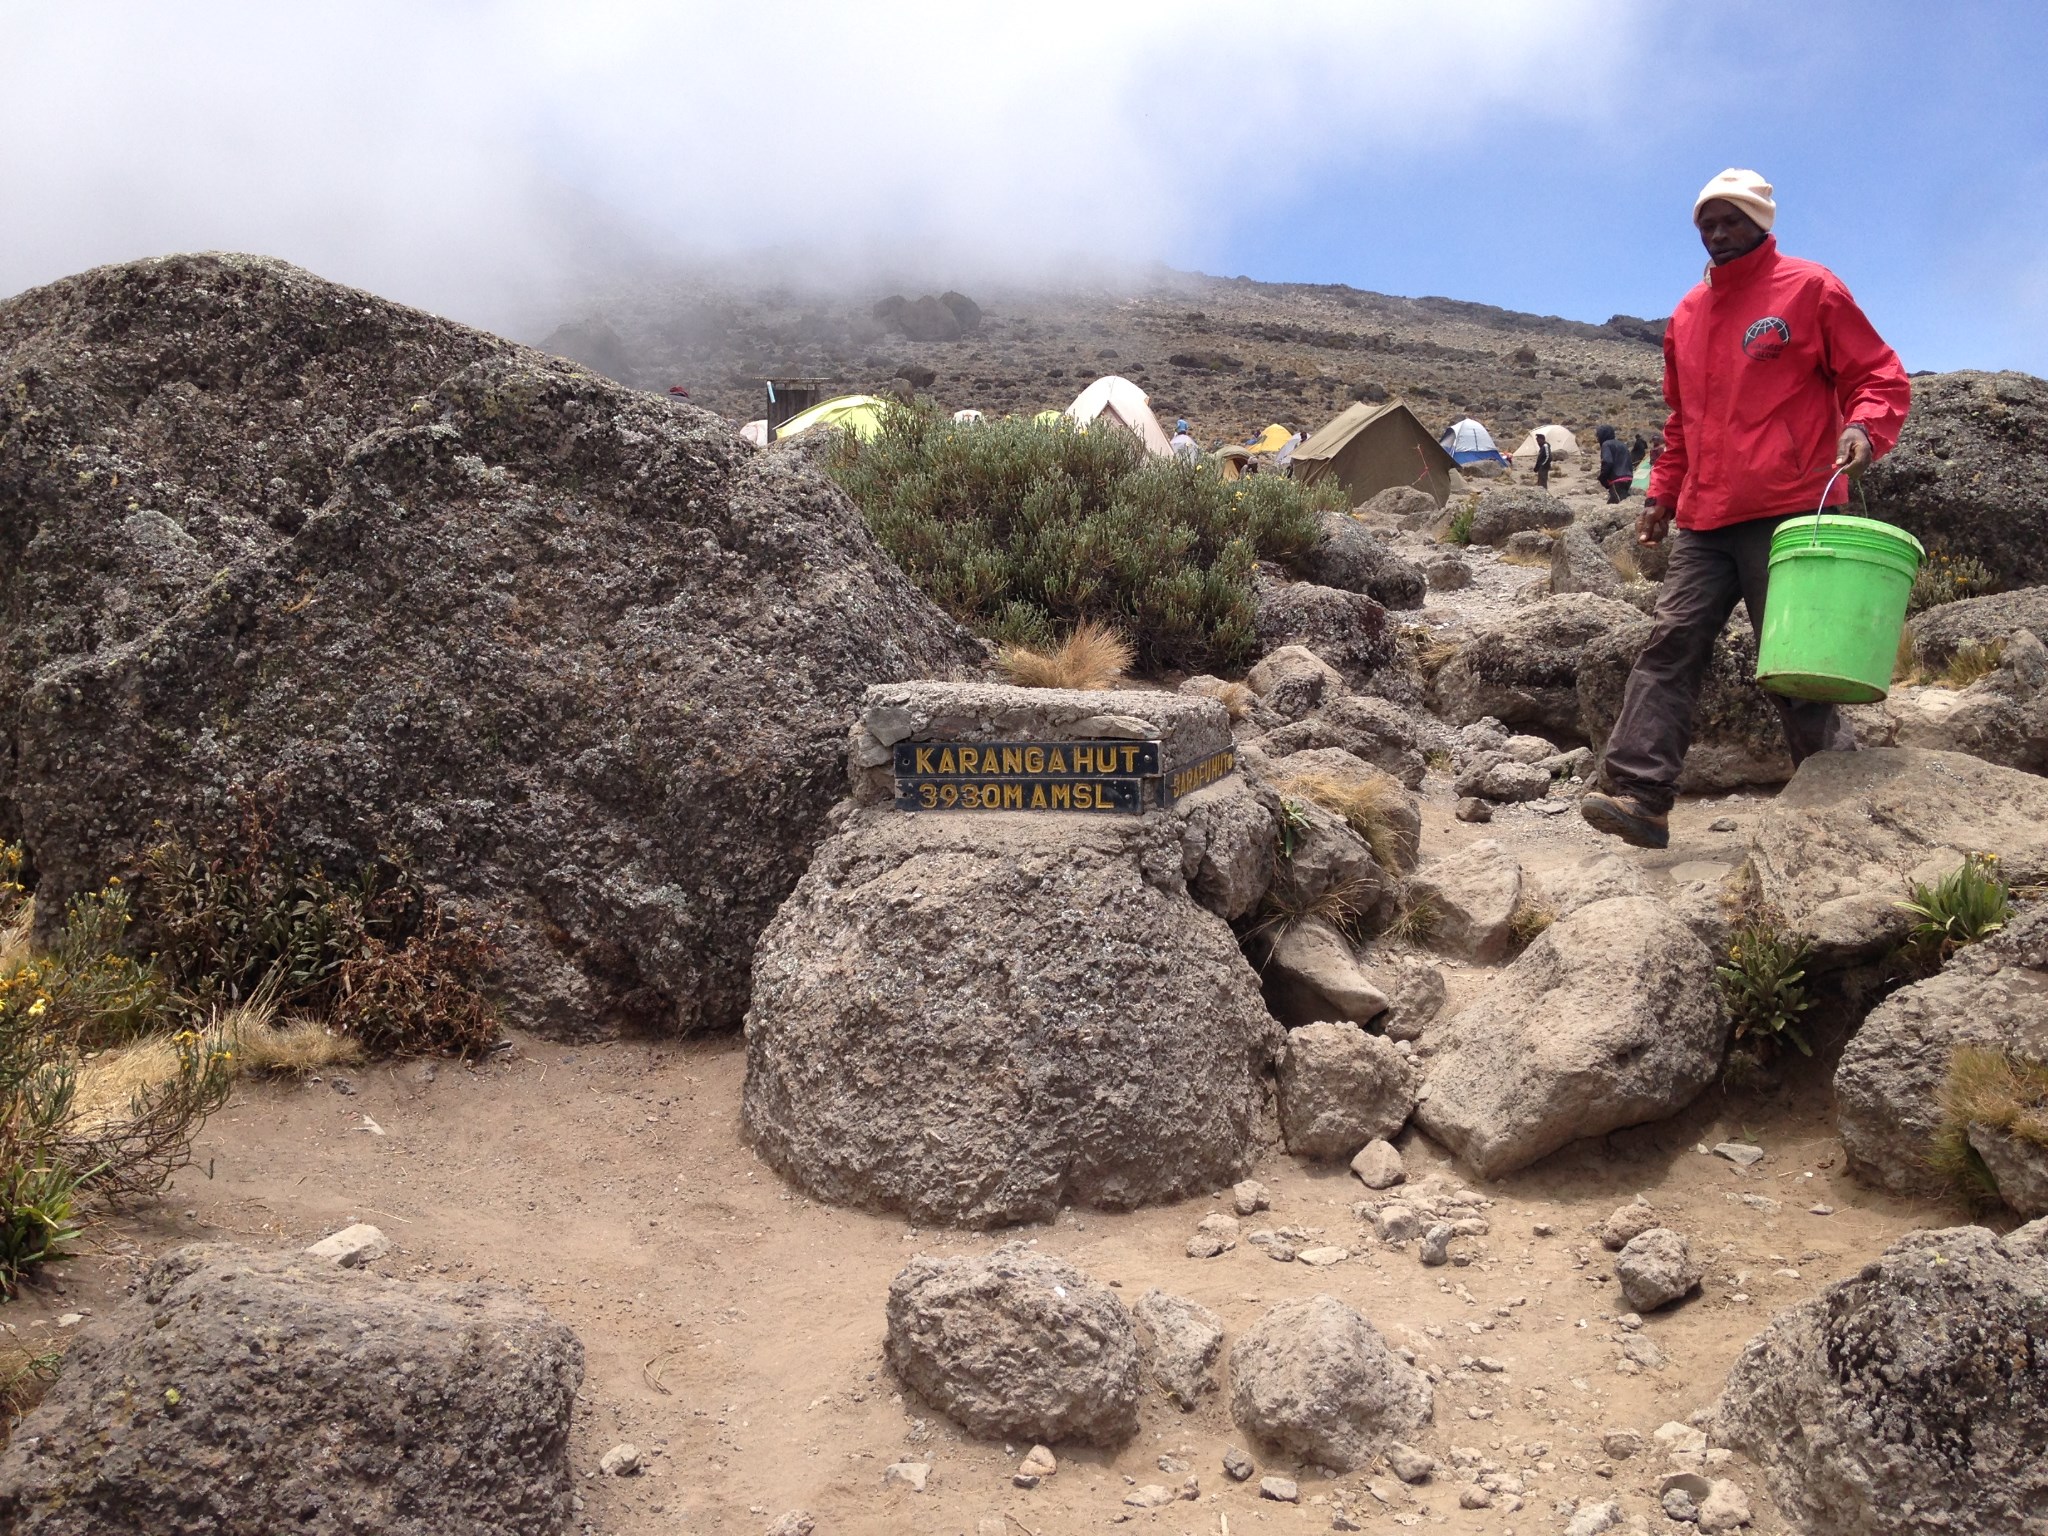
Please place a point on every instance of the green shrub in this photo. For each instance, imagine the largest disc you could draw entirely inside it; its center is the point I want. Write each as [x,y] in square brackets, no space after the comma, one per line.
[1761,979]
[1968,904]
[1945,578]
[1460,531]
[1022,530]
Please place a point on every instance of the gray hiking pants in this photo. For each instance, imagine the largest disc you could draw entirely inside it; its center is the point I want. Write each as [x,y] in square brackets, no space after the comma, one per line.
[1708,574]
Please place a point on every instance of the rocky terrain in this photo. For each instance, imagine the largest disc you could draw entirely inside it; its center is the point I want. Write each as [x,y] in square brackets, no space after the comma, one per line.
[1230,354]
[1348,1138]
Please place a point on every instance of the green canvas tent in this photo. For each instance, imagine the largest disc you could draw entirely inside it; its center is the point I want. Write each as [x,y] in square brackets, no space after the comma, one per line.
[1371,448]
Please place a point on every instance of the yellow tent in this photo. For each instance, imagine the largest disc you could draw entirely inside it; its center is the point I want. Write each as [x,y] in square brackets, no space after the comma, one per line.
[1050,418]
[1272,440]
[859,414]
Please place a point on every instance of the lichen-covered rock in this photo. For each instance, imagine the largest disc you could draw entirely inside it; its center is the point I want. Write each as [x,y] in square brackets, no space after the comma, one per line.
[1498,776]
[1397,819]
[1610,1018]
[1909,1398]
[1525,671]
[1314,1379]
[2001,717]
[1888,1085]
[1341,1088]
[1294,680]
[1837,849]
[1375,731]
[1966,475]
[1350,557]
[1016,1345]
[1656,1268]
[1579,564]
[577,651]
[1505,510]
[1347,629]
[1467,901]
[1937,633]
[979,1019]
[243,1394]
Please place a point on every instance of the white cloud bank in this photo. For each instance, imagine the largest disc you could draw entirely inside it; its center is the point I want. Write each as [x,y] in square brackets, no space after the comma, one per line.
[466,154]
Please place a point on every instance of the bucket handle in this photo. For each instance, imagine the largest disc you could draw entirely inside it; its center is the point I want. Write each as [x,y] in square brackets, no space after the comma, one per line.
[1824,490]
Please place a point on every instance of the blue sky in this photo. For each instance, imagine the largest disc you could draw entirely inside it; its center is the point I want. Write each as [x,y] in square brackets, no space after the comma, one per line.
[484,157]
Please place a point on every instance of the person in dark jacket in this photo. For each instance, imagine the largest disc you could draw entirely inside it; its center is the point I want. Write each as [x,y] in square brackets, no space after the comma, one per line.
[1614,466]
[1638,451]
[1542,462]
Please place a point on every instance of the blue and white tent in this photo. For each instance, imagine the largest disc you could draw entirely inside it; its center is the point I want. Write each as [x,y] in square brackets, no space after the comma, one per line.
[1468,442]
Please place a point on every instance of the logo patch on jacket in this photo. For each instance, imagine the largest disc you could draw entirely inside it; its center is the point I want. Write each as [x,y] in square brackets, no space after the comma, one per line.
[1766,339]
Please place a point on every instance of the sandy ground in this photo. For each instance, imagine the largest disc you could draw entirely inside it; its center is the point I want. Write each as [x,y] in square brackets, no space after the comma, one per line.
[734,1328]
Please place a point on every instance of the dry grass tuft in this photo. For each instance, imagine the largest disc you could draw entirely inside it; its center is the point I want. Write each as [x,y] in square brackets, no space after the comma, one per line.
[1416,922]
[1524,557]
[1973,660]
[1364,804]
[1236,699]
[1431,658]
[1987,1087]
[1530,917]
[1344,906]
[255,1042]
[1093,657]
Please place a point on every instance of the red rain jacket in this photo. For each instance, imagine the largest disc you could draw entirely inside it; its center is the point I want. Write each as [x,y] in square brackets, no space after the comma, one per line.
[1765,362]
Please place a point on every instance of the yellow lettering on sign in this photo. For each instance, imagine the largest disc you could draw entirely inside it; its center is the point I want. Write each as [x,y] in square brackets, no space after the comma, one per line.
[928,796]
[924,759]
[1038,797]
[1130,759]
[946,762]
[1084,797]
[1013,759]
[1013,797]
[1063,797]
[970,759]
[1034,759]
[1057,762]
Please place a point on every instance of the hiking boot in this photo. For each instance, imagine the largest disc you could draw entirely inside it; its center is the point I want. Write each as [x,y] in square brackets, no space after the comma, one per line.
[1626,818]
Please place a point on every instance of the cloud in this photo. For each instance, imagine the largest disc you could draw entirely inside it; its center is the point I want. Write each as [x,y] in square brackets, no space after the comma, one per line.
[466,155]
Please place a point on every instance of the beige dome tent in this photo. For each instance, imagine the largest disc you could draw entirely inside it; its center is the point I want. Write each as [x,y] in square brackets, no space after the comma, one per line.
[1562,445]
[1372,448]
[1125,404]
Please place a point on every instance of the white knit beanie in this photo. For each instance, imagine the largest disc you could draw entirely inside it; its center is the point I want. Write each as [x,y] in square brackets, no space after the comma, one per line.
[1746,190]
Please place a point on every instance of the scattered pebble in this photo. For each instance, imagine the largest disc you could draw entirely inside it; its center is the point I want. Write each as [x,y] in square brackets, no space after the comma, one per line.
[1436,1244]
[1740,1153]
[1281,1490]
[1151,1496]
[351,1247]
[1319,1258]
[1237,1466]
[1820,1210]
[1721,824]
[907,1474]
[1409,1464]
[1472,808]
[1472,1496]
[1250,1196]
[620,1461]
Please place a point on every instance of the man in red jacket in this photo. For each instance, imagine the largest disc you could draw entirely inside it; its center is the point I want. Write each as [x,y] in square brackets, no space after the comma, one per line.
[1775,380]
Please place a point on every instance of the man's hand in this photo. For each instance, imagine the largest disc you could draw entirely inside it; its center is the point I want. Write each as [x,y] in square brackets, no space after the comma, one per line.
[1852,452]
[1654,519]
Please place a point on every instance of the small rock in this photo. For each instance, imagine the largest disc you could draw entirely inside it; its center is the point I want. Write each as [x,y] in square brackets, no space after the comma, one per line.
[1218,1223]
[1436,1244]
[1630,1321]
[1594,1519]
[1656,1269]
[1621,1443]
[1542,1229]
[1191,1489]
[1472,1496]
[1280,1251]
[1281,1490]
[1237,1466]
[1250,1196]
[1025,1479]
[1207,1245]
[70,1319]
[1642,1351]
[1725,1508]
[907,1474]
[1740,1153]
[1173,1465]
[1628,1222]
[1039,1462]
[1820,1210]
[1409,1464]
[1447,575]
[1150,1496]
[798,1522]
[1721,824]
[1343,1522]
[1378,1165]
[342,1086]
[352,1247]
[620,1461]
[1678,1505]
[1319,1258]
[1396,1223]
[1674,1436]
[1472,808]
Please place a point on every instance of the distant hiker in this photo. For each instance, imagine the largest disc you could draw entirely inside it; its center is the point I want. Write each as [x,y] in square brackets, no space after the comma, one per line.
[1542,462]
[1776,380]
[1614,466]
[1638,451]
[1184,446]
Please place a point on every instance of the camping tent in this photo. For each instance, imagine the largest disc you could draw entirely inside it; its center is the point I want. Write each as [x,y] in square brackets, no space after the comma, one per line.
[1371,448]
[1234,461]
[859,414]
[1562,445]
[1468,442]
[1272,440]
[967,416]
[1125,404]
[756,432]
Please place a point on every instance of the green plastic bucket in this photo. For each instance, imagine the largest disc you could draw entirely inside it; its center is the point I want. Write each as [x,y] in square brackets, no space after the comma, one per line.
[1835,606]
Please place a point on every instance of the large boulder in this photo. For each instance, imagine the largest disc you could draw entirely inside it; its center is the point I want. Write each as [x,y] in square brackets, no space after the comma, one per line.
[1525,671]
[1737,738]
[1909,1398]
[1180,1341]
[242,1394]
[1609,1019]
[1347,629]
[574,651]
[1341,1088]
[1466,901]
[1016,1345]
[1938,633]
[1311,973]
[1350,557]
[2002,717]
[1293,680]
[1373,730]
[1408,504]
[1339,775]
[1838,848]
[1888,1086]
[1579,564]
[1314,1379]
[1967,473]
[1510,509]
[981,1018]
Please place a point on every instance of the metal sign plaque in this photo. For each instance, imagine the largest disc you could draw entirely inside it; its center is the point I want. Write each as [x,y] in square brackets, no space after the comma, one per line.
[1026,759]
[1091,795]
[1200,774]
